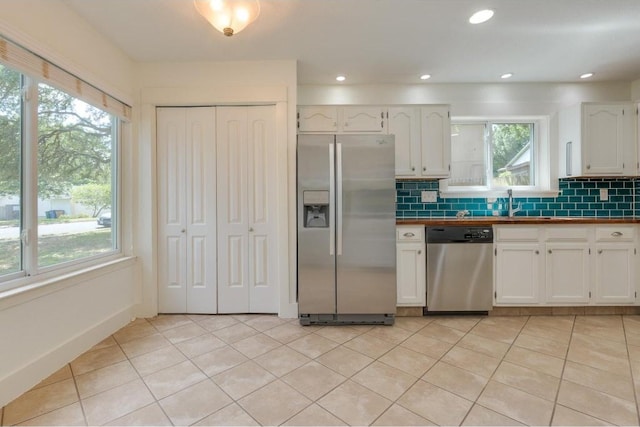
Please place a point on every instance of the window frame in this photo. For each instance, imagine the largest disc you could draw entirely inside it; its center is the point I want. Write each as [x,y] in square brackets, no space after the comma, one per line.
[30,273]
[542,168]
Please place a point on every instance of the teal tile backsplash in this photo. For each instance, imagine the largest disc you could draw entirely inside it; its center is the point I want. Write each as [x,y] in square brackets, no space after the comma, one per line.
[579,197]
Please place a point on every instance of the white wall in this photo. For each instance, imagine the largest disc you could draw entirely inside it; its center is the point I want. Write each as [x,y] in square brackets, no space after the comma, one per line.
[471,99]
[43,328]
[217,83]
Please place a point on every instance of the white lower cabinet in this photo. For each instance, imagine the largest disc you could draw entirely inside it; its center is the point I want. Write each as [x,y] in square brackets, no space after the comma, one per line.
[410,266]
[565,265]
[518,273]
[567,272]
[615,273]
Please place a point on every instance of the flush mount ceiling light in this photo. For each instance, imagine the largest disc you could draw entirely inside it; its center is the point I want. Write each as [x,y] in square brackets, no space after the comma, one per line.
[586,75]
[425,77]
[506,76]
[341,78]
[481,16]
[228,16]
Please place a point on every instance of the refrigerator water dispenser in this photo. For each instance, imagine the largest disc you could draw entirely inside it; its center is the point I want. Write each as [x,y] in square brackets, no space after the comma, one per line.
[316,209]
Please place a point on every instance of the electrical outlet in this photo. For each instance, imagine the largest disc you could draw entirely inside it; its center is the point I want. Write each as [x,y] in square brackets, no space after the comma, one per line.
[604,194]
[429,196]
[489,206]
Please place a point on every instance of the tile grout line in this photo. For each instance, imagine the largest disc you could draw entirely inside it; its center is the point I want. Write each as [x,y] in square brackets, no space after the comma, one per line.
[633,382]
[564,364]
[475,402]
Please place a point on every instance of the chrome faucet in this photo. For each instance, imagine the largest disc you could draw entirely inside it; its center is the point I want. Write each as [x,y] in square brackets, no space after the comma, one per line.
[461,214]
[513,210]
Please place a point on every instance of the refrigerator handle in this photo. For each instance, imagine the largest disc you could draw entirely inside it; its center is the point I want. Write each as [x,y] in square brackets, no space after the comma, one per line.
[332,198]
[339,197]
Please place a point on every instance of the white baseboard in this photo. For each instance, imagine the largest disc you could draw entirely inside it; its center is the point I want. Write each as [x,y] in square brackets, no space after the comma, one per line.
[29,375]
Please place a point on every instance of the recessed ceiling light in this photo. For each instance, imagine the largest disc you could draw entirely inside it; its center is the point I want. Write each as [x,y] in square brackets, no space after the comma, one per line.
[506,76]
[481,16]
[341,78]
[425,77]
[586,75]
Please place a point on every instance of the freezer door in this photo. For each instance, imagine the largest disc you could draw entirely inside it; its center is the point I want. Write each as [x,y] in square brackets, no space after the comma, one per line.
[366,223]
[316,227]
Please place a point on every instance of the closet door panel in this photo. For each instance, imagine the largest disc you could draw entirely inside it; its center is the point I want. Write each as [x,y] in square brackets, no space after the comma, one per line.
[231,133]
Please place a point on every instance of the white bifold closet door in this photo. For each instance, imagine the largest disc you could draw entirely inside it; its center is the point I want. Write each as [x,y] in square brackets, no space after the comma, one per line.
[247,228]
[186,170]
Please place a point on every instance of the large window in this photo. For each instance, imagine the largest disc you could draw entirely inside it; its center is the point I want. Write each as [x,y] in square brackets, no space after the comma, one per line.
[59,141]
[493,155]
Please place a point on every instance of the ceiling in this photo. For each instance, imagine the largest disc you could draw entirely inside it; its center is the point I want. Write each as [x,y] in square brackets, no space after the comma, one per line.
[392,41]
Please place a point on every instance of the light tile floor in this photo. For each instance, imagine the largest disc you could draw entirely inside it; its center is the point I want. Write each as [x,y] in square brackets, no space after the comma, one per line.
[257,369]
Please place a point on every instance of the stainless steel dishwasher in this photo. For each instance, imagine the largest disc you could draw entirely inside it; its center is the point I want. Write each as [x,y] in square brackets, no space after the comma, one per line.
[459,269]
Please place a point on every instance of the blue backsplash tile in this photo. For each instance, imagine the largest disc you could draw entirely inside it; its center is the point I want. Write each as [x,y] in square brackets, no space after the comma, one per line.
[578,197]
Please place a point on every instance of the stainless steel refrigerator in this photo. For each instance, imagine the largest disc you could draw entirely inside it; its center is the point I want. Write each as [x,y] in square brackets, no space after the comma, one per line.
[346,229]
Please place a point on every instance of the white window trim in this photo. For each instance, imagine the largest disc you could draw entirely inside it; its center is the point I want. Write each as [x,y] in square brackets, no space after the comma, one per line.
[542,164]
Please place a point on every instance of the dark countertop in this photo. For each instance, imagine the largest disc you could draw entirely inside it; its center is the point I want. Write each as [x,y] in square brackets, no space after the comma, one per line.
[491,220]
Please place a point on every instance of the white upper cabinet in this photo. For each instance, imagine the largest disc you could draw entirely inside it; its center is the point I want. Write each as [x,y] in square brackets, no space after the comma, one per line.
[334,119]
[598,140]
[423,141]
[404,123]
[436,141]
[362,119]
[318,119]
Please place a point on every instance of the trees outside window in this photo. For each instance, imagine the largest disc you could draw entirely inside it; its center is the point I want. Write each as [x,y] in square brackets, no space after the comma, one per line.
[73,177]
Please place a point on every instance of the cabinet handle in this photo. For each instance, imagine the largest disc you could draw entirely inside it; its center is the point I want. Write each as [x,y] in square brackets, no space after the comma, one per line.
[413,168]
[537,252]
[550,251]
[588,167]
[616,234]
[419,252]
[424,168]
[599,251]
[183,230]
[408,234]
[251,229]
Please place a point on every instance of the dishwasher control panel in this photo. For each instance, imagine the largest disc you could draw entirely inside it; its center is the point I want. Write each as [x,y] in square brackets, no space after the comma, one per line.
[459,234]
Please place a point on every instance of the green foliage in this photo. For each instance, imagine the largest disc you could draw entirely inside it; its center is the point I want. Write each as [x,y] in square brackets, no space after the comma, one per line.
[9,132]
[74,139]
[508,140]
[96,196]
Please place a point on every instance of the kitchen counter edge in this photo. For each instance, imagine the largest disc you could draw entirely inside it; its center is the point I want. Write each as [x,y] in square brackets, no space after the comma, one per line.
[484,221]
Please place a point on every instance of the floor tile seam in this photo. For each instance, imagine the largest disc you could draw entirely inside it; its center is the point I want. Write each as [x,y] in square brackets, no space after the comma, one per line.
[491,378]
[174,326]
[391,400]
[329,367]
[158,401]
[413,412]
[553,401]
[580,412]
[82,400]
[633,381]
[224,407]
[319,397]
[317,402]
[515,422]
[564,365]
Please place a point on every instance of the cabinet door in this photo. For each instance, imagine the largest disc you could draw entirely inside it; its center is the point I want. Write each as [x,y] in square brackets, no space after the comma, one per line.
[567,272]
[615,273]
[411,280]
[186,210]
[436,141]
[603,136]
[517,273]
[404,123]
[362,119]
[318,119]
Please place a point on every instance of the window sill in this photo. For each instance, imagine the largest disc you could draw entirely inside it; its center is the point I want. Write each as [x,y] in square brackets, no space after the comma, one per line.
[37,289]
[495,194]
